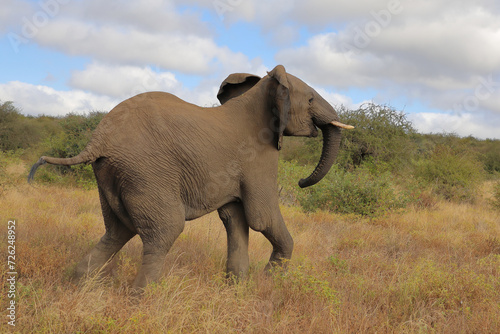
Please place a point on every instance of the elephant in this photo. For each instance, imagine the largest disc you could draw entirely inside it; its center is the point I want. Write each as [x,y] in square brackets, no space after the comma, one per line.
[160,161]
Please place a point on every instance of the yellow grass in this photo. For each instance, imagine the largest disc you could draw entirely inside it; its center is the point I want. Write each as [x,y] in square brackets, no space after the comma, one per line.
[433,270]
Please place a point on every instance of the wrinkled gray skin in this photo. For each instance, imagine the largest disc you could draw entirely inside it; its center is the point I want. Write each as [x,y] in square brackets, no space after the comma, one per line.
[160,161]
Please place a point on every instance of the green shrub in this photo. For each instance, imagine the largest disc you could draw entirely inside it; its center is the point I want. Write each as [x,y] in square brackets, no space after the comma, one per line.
[490,156]
[495,201]
[85,177]
[16,131]
[302,281]
[452,175]
[305,151]
[6,159]
[21,132]
[381,134]
[77,131]
[358,192]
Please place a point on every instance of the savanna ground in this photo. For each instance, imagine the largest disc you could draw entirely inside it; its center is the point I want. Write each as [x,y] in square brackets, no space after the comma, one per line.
[434,269]
[401,236]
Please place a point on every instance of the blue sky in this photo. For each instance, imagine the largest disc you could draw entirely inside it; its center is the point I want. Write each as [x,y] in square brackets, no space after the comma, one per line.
[438,60]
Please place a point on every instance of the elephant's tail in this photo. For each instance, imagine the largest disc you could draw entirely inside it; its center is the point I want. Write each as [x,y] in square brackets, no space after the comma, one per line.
[84,157]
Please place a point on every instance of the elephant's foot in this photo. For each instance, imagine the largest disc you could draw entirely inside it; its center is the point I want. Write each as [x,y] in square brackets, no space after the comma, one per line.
[151,271]
[276,261]
[94,264]
[237,271]
[99,256]
[153,259]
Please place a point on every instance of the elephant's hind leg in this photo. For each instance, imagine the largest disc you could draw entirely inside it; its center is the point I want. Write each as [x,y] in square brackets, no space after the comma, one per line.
[117,235]
[233,217]
[158,229]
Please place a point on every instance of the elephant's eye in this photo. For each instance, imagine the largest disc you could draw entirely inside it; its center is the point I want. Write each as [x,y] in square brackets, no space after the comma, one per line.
[311,100]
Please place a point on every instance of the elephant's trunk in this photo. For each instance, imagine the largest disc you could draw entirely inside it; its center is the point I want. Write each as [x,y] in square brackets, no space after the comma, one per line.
[331,144]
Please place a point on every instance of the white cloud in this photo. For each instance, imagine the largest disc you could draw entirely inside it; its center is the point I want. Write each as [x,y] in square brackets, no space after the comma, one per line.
[153,16]
[122,81]
[463,42]
[341,15]
[410,52]
[11,13]
[186,53]
[431,52]
[337,100]
[42,100]
[461,124]
[321,12]
[149,15]
[122,32]
[321,63]
[37,100]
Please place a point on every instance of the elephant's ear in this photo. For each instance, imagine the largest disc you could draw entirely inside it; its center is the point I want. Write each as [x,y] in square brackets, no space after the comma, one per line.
[235,85]
[281,102]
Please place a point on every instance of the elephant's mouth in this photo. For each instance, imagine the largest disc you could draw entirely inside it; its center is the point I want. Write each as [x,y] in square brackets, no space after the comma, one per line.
[331,144]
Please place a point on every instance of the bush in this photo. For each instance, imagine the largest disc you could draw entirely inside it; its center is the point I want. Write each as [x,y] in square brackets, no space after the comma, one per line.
[305,151]
[301,281]
[490,157]
[381,134]
[77,131]
[21,132]
[16,131]
[452,175]
[495,201]
[358,192]
[85,177]
[7,159]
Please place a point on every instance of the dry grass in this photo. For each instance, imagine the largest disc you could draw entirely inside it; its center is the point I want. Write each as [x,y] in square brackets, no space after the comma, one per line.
[427,270]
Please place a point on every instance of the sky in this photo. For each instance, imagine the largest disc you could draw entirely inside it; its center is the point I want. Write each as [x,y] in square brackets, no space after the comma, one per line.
[438,61]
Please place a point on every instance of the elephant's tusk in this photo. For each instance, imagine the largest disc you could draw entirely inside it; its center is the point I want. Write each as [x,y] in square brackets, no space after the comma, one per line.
[342,125]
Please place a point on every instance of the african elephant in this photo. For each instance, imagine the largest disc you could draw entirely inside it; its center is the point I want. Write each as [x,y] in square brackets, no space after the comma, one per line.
[160,161]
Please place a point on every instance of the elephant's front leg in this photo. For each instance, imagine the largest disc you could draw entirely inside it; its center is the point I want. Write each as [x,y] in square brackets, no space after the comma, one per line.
[282,242]
[233,217]
[263,215]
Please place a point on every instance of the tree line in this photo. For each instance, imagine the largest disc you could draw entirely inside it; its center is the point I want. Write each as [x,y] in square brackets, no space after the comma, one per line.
[383,163]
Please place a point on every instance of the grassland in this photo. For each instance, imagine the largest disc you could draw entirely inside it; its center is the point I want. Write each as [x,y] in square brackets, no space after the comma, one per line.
[417,270]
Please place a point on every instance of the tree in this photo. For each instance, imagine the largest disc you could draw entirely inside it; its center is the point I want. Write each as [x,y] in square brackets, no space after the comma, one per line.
[381,135]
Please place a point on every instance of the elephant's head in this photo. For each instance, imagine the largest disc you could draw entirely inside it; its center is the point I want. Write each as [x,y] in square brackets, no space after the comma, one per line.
[300,110]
